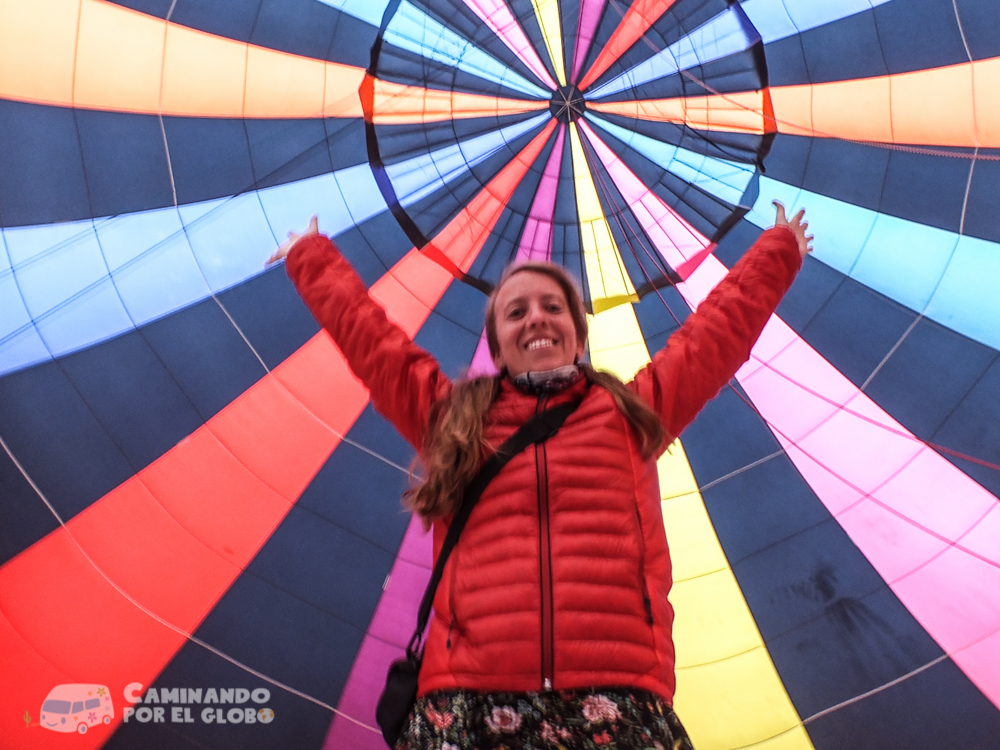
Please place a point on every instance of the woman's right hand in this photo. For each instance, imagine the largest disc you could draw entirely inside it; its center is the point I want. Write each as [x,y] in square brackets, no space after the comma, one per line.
[293,237]
[796,224]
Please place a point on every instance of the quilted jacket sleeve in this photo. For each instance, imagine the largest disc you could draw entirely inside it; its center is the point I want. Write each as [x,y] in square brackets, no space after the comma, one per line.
[715,340]
[402,379]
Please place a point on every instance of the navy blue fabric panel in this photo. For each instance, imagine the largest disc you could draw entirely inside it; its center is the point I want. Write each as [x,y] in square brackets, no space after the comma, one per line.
[406,67]
[206,355]
[929,375]
[313,29]
[659,314]
[733,73]
[981,207]
[374,246]
[459,18]
[401,142]
[973,429]
[738,147]
[923,188]
[731,247]
[614,12]
[58,440]
[960,718]
[567,248]
[433,212]
[820,606]
[42,165]
[524,12]
[210,158]
[271,315]
[359,492]
[981,27]
[297,723]
[703,211]
[283,636]
[125,162]
[681,19]
[895,37]
[135,398]
[300,27]
[326,566]
[283,151]
[452,330]
[856,329]
[24,518]
[814,285]
[62,165]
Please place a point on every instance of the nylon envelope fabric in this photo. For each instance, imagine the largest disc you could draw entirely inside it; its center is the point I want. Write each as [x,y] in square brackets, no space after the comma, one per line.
[201,541]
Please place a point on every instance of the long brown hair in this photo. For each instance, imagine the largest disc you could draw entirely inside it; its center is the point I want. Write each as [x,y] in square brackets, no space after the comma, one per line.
[455,444]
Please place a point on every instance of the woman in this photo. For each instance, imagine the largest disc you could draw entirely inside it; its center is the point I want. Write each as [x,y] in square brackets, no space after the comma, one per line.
[552,625]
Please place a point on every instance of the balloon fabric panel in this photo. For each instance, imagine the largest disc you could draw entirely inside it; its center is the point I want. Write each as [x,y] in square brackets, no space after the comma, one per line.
[193,484]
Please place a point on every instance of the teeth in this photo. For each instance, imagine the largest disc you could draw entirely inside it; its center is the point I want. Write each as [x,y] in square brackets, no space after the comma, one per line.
[539,343]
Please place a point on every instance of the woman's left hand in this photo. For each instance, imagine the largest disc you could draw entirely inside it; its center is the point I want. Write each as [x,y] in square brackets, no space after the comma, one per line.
[797,226]
[293,237]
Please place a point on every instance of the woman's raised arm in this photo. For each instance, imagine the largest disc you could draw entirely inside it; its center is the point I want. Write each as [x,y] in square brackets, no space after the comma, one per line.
[403,379]
[716,339]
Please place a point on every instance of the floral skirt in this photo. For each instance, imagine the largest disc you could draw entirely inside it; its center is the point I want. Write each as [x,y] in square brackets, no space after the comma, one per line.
[596,719]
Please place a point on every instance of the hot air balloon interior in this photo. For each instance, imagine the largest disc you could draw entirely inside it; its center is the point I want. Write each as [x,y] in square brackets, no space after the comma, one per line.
[202,543]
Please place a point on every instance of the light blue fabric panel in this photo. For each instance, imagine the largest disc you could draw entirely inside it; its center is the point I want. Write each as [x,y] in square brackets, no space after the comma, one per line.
[369,11]
[414,30]
[932,271]
[75,284]
[777,19]
[725,180]
[417,178]
[721,36]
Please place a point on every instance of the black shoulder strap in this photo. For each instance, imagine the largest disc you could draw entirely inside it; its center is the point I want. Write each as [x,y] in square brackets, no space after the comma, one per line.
[540,427]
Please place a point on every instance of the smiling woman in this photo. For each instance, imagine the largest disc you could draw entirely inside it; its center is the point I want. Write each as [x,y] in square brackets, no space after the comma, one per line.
[535,320]
[559,580]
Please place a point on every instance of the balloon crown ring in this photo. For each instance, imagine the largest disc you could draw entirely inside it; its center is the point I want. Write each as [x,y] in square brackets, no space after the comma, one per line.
[567,104]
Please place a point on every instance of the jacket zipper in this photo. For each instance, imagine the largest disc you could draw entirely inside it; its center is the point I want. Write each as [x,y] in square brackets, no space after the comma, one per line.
[642,569]
[545,562]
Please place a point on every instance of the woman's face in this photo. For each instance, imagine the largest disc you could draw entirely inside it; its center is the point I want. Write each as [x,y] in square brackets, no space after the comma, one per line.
[534,325]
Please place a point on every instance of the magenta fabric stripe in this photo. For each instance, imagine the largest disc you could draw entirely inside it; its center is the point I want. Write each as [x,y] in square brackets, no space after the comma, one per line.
[931,532]
[590,14]
[498,17]
[536,239]
[681,245]
[389,632]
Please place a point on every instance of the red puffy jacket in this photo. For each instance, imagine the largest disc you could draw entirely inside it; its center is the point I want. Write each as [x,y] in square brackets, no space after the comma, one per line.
[560,578]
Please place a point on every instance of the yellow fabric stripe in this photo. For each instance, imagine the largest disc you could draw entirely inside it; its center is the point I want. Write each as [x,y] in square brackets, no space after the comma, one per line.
[729,694]
[609,282]
[547,13]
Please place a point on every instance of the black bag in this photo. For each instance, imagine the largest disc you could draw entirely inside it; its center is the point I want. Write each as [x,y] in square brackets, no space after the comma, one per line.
[400,692]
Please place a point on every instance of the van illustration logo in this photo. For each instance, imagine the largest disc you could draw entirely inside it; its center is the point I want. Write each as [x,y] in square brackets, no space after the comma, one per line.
[76,708]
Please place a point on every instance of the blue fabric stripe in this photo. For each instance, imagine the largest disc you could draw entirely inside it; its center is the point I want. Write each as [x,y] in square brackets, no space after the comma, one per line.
[777,19]
[414,30]
[369,11]
[723,35]
[68,286]
[950,278]
[417,178]
[726,180]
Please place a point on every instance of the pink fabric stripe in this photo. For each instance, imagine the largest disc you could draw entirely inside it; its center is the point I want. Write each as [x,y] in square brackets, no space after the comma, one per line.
[536,240]
[389,632]
[590,14]
[680,244]
[498,17]
[931,532]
